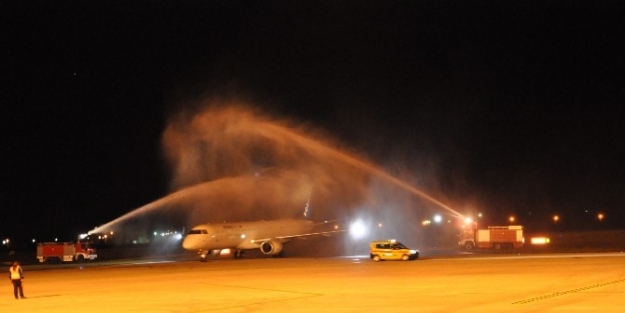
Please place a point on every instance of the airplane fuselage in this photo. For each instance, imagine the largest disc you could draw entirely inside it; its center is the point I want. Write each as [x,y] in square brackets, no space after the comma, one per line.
[245,235]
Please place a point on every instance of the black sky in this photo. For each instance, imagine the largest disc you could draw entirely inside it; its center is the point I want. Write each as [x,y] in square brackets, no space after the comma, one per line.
[513,106]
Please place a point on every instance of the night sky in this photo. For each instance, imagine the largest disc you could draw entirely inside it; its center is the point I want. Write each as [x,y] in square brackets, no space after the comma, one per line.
[507,107]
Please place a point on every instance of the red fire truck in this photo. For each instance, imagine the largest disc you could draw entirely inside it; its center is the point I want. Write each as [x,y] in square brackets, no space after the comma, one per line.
[496,237]
[65,252]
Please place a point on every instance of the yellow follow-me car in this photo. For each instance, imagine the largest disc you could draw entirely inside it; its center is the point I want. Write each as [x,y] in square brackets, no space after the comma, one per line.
[391,250]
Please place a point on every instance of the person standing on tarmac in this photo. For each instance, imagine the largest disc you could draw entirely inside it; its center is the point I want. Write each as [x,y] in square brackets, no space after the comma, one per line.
[16,276]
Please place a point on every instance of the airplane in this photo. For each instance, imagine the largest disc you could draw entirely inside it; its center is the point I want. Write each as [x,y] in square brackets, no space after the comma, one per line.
[268,236]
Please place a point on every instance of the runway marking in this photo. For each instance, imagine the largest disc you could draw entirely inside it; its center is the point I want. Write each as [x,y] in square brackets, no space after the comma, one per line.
[557,294]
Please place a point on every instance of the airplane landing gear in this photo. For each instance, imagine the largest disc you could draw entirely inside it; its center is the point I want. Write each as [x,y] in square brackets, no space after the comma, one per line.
[203,255]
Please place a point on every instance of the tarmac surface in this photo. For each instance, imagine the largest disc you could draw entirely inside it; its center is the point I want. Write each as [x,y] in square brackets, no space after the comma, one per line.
[590,282]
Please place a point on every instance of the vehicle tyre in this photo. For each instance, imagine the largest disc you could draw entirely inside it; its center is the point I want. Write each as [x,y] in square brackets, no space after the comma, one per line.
[405,257]
[497,246]
[80,258]
[376,258]
[468,245]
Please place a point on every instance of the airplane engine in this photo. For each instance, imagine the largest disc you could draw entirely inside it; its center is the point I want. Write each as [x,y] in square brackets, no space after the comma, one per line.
[271,247]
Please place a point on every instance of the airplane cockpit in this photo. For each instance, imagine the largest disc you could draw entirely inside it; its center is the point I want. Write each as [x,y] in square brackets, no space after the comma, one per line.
[198,232]
[196,238]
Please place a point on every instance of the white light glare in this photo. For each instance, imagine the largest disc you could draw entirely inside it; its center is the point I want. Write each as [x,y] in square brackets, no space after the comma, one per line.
[438,218]
[357,229]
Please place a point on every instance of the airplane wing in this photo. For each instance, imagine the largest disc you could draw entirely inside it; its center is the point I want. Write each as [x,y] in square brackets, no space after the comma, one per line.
[323,233]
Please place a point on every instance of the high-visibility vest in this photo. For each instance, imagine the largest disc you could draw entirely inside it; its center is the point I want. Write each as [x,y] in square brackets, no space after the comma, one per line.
[16,272]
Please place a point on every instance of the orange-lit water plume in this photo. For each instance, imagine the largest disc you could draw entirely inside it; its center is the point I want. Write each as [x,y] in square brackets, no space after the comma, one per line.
[271,130]
[217,154]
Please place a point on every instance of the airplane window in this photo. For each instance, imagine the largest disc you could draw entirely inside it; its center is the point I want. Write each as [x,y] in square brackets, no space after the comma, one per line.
[198,232]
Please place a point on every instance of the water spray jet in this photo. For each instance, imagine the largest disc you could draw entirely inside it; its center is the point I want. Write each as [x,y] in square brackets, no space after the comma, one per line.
[218,153]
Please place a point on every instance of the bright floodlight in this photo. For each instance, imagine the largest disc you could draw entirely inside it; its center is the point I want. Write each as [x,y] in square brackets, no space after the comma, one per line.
[540,240]
[357,229]
[438,218]
[178,236]
[468,220]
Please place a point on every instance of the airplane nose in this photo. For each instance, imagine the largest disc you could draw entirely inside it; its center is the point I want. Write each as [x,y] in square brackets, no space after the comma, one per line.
[187,244]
